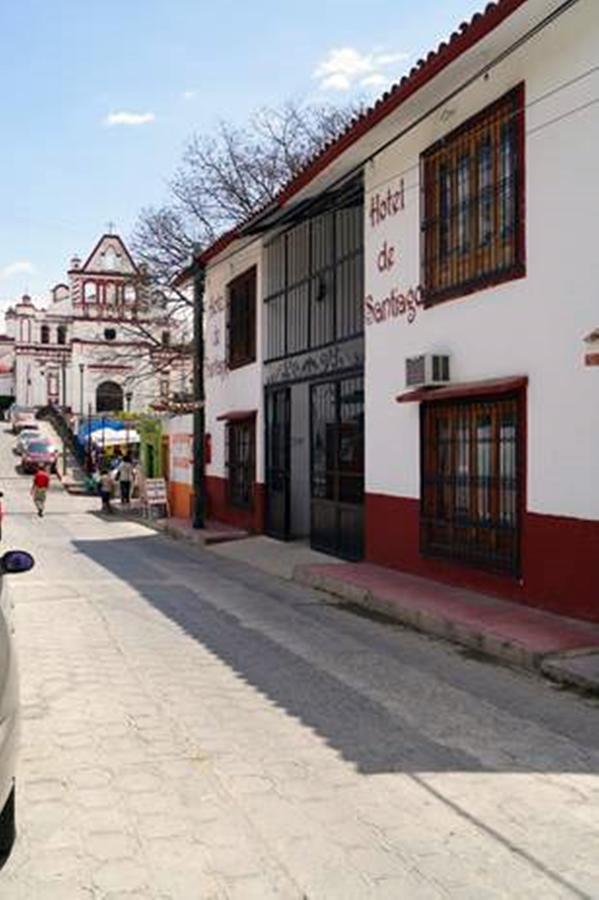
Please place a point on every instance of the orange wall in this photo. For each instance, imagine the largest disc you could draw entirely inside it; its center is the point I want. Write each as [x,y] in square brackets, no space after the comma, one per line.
[180,497]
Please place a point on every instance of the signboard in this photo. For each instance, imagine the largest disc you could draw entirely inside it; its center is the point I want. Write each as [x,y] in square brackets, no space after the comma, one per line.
[181,458]
[155,492]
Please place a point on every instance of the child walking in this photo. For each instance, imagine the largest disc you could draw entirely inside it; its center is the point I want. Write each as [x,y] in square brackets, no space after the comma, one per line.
[39,490]
[106,490]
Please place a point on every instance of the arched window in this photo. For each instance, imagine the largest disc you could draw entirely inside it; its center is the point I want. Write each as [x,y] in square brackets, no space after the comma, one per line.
[166,338]
[130,293]
[45,334]
[61,334]
[90,292]
[109,397]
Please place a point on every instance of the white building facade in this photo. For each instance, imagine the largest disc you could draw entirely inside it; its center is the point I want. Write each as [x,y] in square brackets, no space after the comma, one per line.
[233,377]
[99,344]
[450,429]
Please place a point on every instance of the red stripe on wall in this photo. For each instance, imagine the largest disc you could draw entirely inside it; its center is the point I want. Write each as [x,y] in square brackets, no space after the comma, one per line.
[220,509]
[560,557]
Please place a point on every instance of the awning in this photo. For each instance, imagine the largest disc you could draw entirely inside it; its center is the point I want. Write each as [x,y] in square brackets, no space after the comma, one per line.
[236,415]
[465,389]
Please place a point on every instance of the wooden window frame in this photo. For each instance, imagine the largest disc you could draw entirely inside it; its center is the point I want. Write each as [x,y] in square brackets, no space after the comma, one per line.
[465,244]
[248,466]
[471,508]
[241,319]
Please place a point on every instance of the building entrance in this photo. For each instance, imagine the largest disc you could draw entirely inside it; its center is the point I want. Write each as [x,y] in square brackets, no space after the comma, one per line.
[337,467]
[278,462]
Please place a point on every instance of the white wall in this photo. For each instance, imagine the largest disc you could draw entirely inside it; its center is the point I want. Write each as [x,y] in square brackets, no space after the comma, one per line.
[180,432]
[239,389]
[532,326]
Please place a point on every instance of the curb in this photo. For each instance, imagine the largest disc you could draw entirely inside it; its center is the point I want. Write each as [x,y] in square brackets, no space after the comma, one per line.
[559,667]
[494,646]
[565,669]
[197,538]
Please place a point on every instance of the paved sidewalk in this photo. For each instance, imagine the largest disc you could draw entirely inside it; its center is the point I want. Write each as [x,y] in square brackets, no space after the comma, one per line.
[181,529]
[508,631]
[566,650]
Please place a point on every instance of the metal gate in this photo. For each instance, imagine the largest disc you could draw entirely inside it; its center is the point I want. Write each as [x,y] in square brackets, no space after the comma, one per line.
[278,462]
[337,467]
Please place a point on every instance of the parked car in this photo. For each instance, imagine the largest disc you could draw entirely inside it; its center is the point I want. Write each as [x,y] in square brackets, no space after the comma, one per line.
[22,419]
[12,562]
[31,432]
[39,453]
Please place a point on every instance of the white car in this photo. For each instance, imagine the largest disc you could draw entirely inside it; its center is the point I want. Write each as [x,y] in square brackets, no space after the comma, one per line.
[27,434]
[12,562]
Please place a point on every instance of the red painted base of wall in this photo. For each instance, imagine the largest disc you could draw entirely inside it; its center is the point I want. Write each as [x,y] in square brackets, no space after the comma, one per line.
[220,510]
[560,557]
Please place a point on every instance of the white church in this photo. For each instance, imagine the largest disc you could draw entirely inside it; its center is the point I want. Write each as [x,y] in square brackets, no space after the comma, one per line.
[102,342]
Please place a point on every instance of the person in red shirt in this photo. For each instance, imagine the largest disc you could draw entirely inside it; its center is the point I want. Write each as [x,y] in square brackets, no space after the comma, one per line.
[39,489]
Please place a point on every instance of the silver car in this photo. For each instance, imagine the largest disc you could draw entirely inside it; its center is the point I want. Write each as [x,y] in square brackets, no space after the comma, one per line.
[12,562]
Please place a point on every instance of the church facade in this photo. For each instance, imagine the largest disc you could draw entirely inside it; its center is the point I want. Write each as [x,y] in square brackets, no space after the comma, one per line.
[103,342]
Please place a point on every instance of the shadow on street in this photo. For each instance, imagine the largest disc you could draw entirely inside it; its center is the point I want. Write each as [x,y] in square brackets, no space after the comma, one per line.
[185,586]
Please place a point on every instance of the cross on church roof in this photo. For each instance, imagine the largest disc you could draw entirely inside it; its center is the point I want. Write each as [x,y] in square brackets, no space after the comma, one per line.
[111,228]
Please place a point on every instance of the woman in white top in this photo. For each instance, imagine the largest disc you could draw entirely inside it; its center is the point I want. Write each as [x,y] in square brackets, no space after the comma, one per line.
[125,477]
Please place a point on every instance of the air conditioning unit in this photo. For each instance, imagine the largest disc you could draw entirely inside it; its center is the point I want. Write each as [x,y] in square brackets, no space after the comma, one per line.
[427,370]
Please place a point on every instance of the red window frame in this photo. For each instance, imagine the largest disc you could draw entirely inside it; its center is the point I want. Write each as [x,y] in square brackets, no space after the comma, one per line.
[473,203]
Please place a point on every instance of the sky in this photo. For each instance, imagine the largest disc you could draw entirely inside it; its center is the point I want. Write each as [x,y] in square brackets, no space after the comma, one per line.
[98,98]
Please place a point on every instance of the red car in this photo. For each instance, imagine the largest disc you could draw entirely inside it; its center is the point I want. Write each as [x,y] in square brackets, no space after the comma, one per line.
[39,453]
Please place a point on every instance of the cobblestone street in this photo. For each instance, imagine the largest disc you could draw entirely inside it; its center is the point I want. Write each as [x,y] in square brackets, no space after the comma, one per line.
[195,729]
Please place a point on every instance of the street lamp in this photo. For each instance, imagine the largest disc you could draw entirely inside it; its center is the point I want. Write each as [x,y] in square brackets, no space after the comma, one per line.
[81,369]
[89,437]
[128,398]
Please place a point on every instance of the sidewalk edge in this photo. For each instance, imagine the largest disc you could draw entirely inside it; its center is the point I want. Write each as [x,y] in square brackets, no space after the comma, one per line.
[437,625]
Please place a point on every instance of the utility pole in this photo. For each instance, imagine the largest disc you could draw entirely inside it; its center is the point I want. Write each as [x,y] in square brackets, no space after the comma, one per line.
[64,415]
[199,422]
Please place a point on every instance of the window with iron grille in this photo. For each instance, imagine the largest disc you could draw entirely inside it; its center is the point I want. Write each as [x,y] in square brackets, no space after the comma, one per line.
[473,202]
[242,320]
[314,279]
[240,462]
[471,482]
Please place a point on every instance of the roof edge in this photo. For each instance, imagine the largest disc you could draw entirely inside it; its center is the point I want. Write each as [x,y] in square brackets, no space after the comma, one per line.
[461,40]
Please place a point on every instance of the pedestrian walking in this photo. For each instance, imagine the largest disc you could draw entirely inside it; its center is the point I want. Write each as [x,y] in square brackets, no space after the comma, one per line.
[106,484]
[39,489]
[125,479]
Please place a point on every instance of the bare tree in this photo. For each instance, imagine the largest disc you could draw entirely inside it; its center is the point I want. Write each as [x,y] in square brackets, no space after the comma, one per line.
[221,181]
[224,178]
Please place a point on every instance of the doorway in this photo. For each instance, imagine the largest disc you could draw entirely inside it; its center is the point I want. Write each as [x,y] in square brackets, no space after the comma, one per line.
[278,462]
[109,397]
[337,467]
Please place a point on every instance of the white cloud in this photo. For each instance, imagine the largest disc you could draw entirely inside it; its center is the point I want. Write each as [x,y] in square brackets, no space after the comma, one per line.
[345,67]
[20,267]
[189,95]
[375,80]
[129,118]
